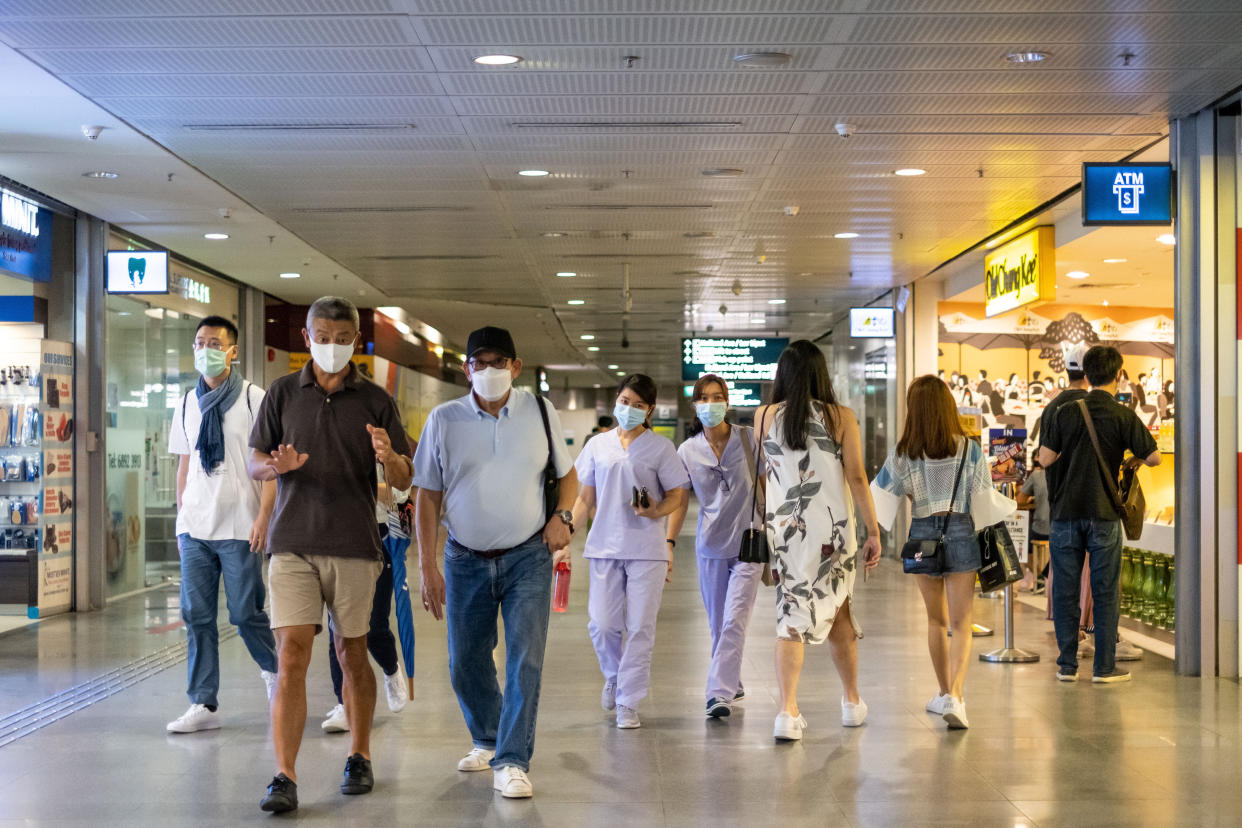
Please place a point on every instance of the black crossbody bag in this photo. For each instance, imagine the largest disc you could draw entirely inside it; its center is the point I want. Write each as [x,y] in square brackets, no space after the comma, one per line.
[926,557]
[754,541]
[551,482]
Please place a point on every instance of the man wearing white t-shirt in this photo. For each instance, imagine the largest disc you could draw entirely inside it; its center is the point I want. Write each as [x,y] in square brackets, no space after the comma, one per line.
[222,520]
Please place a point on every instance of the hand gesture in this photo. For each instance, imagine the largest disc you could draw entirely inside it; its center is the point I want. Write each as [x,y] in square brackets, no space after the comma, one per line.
[286,459]
[258,533]
[871,552]
[432,589]
[382,443]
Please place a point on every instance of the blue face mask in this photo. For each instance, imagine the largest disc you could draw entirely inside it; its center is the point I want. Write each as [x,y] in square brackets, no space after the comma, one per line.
[711,414]
[629,417]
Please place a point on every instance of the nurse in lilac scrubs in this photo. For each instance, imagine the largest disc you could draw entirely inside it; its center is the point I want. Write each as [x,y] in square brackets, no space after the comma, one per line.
[629,552]
[723,479]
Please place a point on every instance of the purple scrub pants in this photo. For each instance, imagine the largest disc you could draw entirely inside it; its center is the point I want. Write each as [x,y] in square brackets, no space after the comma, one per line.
[728,587]
[624,601]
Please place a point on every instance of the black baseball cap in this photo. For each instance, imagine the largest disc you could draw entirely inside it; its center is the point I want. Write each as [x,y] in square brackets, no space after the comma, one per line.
[491,339]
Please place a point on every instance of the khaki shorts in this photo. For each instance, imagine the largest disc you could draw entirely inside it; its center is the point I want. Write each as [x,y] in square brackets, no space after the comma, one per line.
[300,586]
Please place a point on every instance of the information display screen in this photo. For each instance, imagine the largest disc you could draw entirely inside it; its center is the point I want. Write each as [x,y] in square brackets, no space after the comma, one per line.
[137,271]
[872,323]
[1120,194]
[735,360]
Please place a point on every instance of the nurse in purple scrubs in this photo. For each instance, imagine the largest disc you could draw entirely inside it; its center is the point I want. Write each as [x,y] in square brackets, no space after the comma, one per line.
[629,552]
[722,475]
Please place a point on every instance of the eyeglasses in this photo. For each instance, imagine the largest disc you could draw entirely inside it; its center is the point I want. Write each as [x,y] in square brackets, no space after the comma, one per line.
[481,364]
[724,479]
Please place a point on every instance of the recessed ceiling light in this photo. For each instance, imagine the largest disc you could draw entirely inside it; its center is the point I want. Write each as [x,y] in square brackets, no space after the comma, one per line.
[1026,57]
[215,236]
[532,173]
[553,235]
[577,302]
[100,174]
[620,373]
[1167,238]
[723,172]
[612,367]
[1105,303]
[776,301]
[760,59]
[909,171]
[757,320]
[596,385]
[565,274]
[593,349]
[497,60]
[587,337]
[1078,274]
[291,275]
[845,235]
[1114,261]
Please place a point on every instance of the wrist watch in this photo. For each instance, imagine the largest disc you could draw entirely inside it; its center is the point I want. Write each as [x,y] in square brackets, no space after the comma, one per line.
[567,518]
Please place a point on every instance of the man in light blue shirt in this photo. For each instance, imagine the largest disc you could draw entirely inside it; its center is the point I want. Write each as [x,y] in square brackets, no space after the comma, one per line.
[480,464]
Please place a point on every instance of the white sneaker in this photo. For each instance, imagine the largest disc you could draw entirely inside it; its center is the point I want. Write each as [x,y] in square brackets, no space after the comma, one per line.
[955,714]
[512,782]
[627,718]
[788,728]
[197,718]
[853,715]
[476,759]
[398,691]
[1127,651]
[336,721]
[937,703]
[269,681]
[608,697]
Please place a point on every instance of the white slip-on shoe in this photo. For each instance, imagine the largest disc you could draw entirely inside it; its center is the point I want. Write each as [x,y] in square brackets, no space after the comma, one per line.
[627,718]
[853,715]
[397,691]
[608,696]
[197,718]
[1127,651]
[512,782]
[269,681]
[788,728]
[936,705]
[955,714]
[476,760]
[335,721]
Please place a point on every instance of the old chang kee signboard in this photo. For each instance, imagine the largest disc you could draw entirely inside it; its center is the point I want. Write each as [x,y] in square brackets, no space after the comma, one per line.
[1020,272]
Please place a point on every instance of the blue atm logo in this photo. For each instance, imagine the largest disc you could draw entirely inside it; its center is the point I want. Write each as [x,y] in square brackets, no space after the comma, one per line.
[1119,194]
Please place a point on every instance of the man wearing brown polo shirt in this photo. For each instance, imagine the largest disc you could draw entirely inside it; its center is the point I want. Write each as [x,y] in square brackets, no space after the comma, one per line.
[319,434]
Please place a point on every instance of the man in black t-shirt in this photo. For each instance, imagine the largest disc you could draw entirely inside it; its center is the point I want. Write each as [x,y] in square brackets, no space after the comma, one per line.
[1084,518]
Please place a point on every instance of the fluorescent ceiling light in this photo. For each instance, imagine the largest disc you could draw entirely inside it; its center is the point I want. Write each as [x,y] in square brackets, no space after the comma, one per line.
[497,60]
[909,171]
[577,302]
[565,274]
[776,301]
[758,59]
[723,172]
[1026,57]
[587,337]
[593,348]
[389,310]
[532,173]
[1114,261]
[612,367]
[620,373]
[100,174]
[845,235]
[291,275]
[215,236]
[1167,238]
[1078,274]
[553,235]
[757,320]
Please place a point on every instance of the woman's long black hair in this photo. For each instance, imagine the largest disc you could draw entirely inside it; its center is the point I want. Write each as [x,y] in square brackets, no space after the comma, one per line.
[802,378]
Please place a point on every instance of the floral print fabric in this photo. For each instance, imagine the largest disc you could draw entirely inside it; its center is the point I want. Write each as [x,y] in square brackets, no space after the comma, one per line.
[810,526]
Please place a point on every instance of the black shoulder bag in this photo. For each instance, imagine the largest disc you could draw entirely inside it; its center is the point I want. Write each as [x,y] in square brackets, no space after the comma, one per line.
[1129,500]
[926,557]
[551,482]
[754,541]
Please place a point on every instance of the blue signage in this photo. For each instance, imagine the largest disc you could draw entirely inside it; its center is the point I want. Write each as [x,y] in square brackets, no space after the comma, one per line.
[25,237]
[741,359]
[1120,194]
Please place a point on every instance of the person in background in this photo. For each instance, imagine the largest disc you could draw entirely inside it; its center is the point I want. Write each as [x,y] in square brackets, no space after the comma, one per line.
[222,521]
[1034,496]
[604,423]
[944,475]
[720,459]
[319,433]
[816,476]
[629,552]
[1084,518]
[480,464]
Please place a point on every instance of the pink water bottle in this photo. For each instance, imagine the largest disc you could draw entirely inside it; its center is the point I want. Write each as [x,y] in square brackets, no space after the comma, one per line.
[560,592]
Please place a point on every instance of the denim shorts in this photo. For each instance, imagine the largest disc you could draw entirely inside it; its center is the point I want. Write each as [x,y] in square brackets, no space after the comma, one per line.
[960,540]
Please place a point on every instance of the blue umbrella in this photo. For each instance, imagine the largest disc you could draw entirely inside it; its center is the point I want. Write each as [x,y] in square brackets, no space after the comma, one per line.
[397,542]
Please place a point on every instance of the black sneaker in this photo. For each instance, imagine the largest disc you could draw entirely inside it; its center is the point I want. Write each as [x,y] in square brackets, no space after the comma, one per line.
[1066,674]
[358,776]
[740,695]
[1112,677]
[282,795]
[717,708]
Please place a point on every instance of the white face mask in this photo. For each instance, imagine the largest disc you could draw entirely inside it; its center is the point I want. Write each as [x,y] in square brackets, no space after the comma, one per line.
[331,358]
[491,383]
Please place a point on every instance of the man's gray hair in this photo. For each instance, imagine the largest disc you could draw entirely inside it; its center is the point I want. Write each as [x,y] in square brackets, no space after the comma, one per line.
[333,309]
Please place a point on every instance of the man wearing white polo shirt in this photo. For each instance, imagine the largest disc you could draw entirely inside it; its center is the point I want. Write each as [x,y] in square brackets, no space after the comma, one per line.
[480,462]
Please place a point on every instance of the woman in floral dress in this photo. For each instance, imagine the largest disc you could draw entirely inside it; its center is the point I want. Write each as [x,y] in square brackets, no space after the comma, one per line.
[814,460]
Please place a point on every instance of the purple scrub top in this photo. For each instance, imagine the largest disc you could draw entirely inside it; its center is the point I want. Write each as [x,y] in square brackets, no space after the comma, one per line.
[724,492]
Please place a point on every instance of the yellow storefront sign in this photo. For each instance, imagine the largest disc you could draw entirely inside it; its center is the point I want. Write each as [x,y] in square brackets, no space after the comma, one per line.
[1020,272]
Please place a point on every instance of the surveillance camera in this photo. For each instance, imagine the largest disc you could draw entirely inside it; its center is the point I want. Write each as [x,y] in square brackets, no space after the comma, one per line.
[736,287]
[845,130]
[92,132]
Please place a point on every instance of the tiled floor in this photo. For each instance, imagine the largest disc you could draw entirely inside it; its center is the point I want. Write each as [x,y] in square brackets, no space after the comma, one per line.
[1159,751]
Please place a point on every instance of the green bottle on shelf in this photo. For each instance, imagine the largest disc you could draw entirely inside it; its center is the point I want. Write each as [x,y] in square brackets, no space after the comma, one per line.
[1149,588]
[1160,612]
[1172,598]
[1127,580]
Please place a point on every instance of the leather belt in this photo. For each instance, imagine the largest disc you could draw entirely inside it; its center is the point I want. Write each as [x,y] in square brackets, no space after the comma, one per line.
[492,554]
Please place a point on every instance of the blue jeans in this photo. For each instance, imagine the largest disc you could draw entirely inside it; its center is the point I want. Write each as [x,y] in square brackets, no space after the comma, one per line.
[202,564]
[518,584]
[1069,541]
